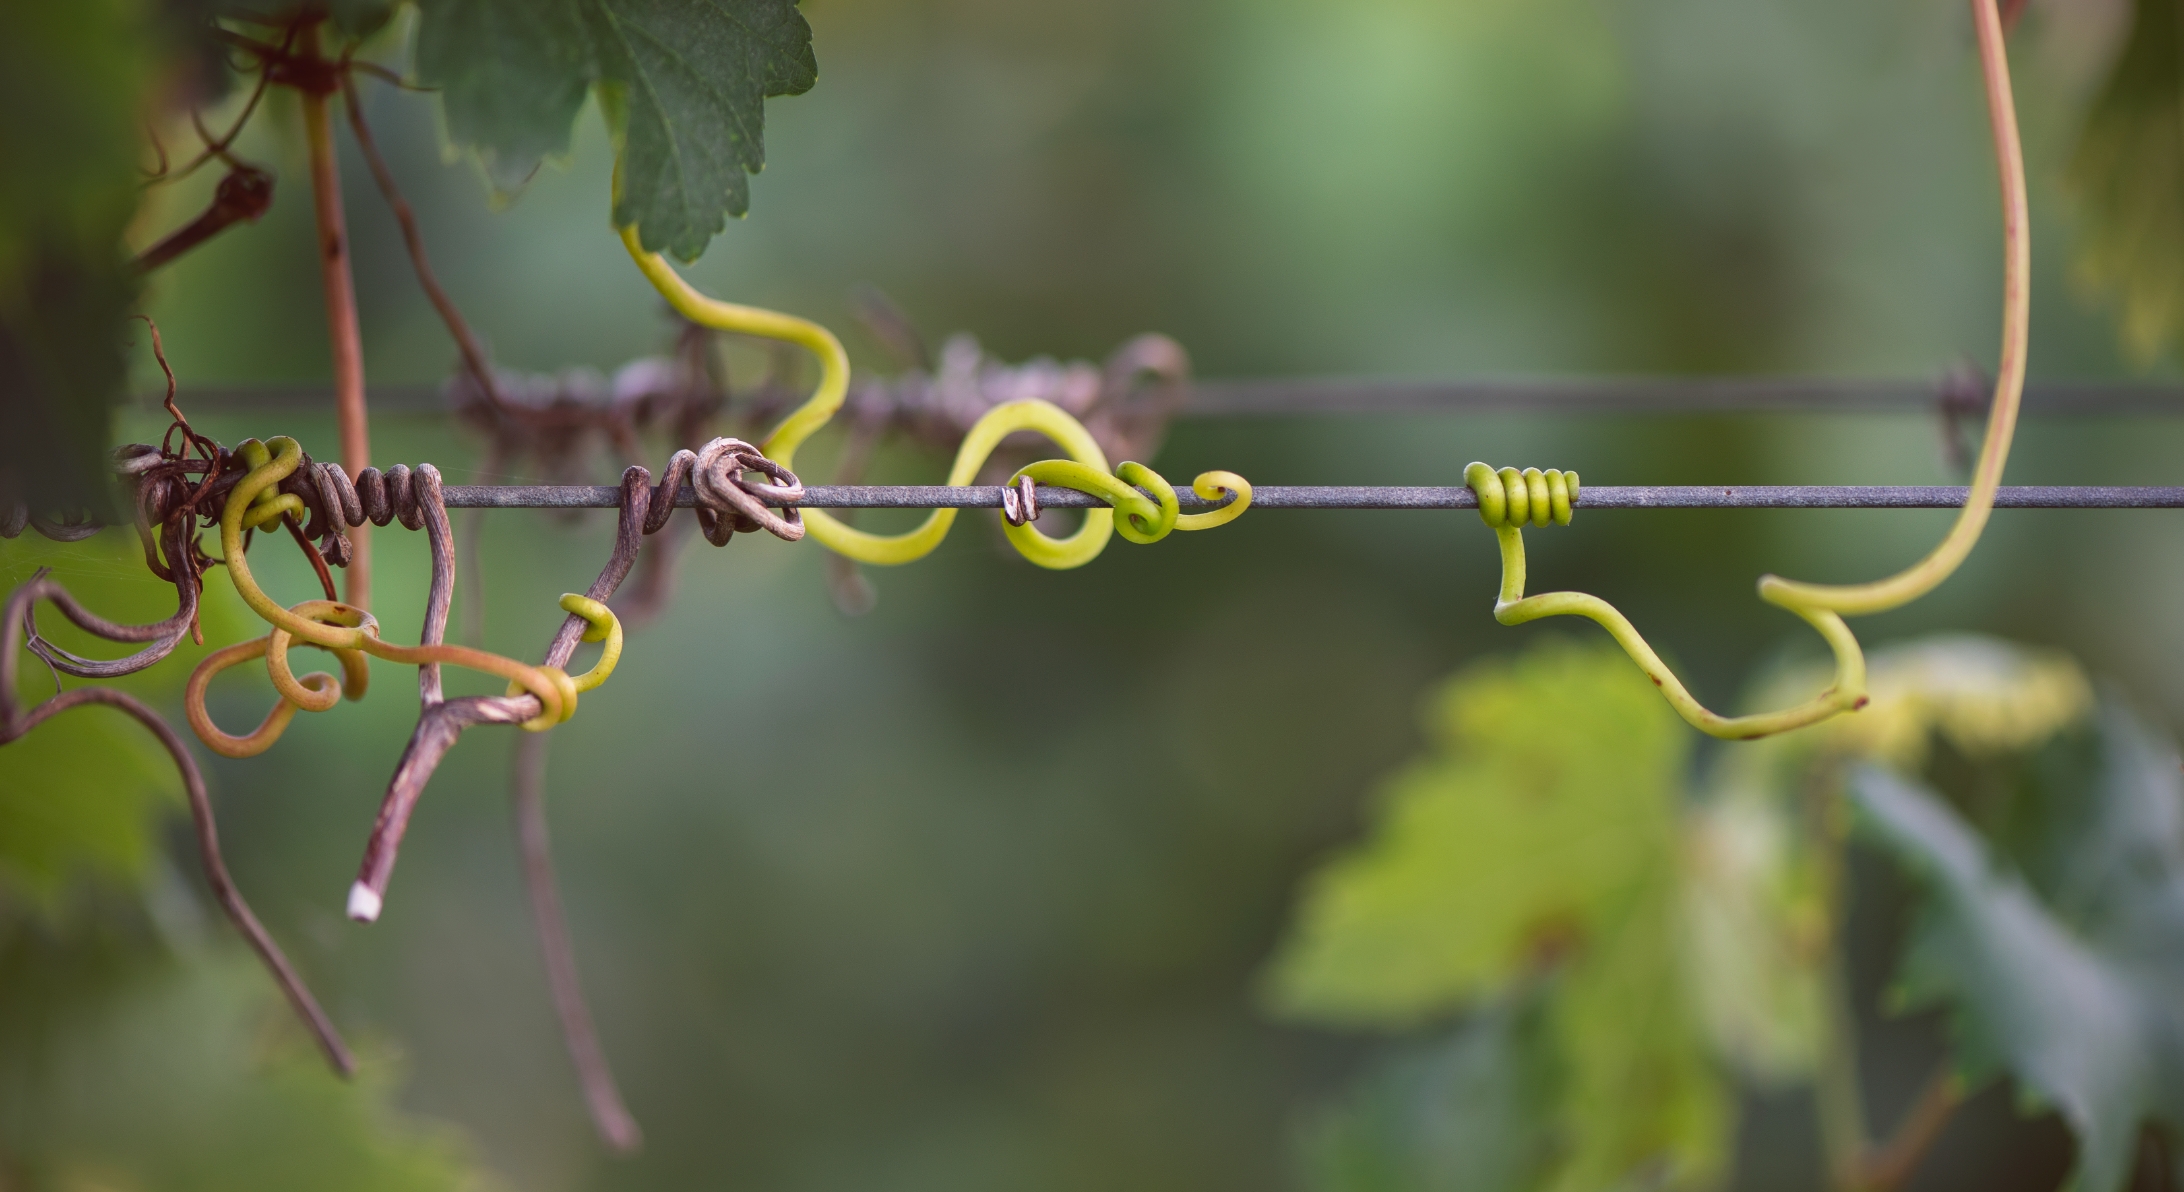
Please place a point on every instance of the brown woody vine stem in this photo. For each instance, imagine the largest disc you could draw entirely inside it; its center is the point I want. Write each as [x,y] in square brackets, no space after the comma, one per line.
[527,802]
[343,335]
[474,357]
[15,723]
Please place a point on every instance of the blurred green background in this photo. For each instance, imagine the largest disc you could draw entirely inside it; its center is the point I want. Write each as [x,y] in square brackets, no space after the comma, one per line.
[974,892]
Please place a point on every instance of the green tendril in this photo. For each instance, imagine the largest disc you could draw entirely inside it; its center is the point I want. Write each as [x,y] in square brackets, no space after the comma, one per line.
[1509,498]
[1143,519]
[348,632]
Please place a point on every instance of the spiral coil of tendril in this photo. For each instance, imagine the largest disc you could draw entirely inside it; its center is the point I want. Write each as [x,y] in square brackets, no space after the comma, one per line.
[1144,518]
[260,499]
[1509,499]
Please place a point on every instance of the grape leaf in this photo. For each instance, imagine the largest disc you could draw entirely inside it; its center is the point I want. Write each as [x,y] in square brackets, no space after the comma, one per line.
[1541,836]
[1756,922]
[2073,984]
[1550,794]
[1644,1101]
[512,76]
[72,87]
[2128,177]
[683,84]
[1756,911]
[1470,1111]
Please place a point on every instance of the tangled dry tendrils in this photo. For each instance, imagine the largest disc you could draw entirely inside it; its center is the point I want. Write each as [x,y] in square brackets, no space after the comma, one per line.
[259,485]
[16,624]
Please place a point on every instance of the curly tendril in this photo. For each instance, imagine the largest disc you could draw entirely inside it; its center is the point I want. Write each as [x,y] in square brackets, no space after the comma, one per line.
[1144,519]
[350,633]
[1509,498]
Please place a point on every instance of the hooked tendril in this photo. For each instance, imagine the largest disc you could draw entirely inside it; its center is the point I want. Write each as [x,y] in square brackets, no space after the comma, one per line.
[1145,519]
[1509,498]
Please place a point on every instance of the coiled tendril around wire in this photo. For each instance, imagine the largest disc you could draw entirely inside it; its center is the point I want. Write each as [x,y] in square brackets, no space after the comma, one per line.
[1144,519]
[1509,498]
[257,501]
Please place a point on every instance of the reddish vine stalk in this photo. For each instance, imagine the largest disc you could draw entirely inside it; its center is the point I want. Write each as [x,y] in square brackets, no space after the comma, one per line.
[344,337]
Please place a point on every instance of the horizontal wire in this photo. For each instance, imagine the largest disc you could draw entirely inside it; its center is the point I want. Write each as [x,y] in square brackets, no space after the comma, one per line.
[882,496]
[1275,397]
[1636,395]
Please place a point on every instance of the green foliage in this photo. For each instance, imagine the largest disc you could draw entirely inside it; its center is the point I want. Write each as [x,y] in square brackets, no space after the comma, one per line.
[1538,841]
[2063,969]
[1617,942]
[82,794]
[1548,799]
[683,83]
[85,794]
[1756,922]
[123,1066]
[1472,1111]
[2128,173]
[1757,913]
[73,82]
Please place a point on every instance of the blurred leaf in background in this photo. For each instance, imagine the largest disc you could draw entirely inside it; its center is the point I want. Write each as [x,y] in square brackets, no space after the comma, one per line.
[2064,964]
[1470,1111]
[86,795]
[1621,947]
[1759,897]
[1536,842]
[75,80]
[2128,174]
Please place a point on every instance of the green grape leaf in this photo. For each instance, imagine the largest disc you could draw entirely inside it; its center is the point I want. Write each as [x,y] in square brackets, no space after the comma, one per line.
[1469,1111]
[1756,913]
[72,80]
[2128,177]
[2073,983]
[1541,836]
[512,76]
[1756,923]
[1643,1095]
[683,83]
[1550,794]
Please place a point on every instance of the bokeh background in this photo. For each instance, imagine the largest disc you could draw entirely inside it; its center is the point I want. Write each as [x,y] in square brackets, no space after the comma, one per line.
[974,892]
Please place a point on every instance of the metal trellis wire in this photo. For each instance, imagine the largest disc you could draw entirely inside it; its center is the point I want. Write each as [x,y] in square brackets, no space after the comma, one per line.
[871,496]
[1277,397]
